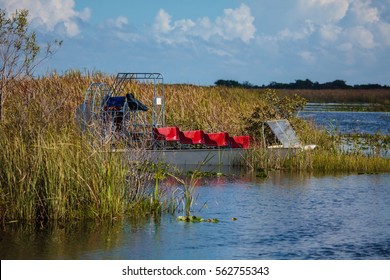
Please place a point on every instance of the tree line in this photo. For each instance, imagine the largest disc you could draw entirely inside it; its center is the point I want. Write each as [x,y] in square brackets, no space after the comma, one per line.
[300,84]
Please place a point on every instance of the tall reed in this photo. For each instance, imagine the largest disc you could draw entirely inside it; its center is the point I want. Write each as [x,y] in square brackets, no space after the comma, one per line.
[49,171]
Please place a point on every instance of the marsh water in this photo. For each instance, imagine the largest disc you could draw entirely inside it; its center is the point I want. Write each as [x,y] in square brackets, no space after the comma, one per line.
[336,119]
[284,216]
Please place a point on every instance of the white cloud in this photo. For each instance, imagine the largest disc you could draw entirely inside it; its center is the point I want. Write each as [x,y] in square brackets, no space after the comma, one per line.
[347,24]
[205,28]
[50,13]
[162,22]
[308,29]
[361,37]
[234,24]
[184,25]
[117,23]
[237,23]
[219,52]
[364,12]
[330,32]
[324,11]
[370,30]
[120,22]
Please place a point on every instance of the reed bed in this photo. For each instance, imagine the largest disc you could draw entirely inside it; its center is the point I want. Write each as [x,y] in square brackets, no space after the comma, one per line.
[50,171]
[318,160]
[378,97]
[61,177]
[210,108]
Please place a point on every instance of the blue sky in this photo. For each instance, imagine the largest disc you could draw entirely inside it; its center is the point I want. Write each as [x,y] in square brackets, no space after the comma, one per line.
[201,41]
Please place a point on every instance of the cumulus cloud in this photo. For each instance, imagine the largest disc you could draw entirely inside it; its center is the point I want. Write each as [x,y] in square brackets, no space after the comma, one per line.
[366,29]
[324,11]
[370,30]
[347,24]
[234,24]
[162,22]
[364,12]
[237,23]
[50,13]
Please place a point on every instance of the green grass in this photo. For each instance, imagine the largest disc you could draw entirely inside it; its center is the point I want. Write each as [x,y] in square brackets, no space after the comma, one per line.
[58,177]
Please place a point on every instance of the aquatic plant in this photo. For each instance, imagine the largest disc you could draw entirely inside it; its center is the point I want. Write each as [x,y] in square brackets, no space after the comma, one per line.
[186,193]
[196,219]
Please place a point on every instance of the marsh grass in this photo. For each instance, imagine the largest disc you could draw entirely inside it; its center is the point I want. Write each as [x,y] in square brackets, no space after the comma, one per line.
[341,153]
[50,171]
[376,99]
[318,160]
[64,178]
[59,178]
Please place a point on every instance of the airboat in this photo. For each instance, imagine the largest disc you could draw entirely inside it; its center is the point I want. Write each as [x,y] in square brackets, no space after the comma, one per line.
[129,116]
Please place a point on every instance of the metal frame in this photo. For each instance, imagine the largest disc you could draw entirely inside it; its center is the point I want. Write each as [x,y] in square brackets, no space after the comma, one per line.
[88,113]
[125,123]
[123,79]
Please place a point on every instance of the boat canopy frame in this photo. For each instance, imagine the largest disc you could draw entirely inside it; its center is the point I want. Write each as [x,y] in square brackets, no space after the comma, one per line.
[111,112]
[158,106]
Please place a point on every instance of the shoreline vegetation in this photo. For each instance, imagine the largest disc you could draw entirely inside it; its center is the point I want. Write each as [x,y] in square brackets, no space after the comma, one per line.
[375,97]
[51,172]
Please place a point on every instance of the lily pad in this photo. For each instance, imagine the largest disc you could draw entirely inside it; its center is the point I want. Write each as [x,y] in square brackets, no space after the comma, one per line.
[196,219]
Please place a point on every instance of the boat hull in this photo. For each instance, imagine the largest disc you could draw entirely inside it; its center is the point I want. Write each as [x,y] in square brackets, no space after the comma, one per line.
[204,157]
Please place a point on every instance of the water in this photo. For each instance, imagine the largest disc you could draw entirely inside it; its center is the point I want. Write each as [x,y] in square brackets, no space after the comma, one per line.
[286,216]
[346,122]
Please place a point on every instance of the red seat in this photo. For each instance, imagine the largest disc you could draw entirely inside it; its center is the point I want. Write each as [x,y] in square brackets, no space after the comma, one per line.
[192,137]
[240,142]
[171,133]
[219,139]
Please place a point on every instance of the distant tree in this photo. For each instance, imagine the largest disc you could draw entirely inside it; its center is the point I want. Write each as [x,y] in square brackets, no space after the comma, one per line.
[247,84]
[303,84]
[369,86]
[227,83]
[340,84]
[19,51]
[276,85]
[299,84]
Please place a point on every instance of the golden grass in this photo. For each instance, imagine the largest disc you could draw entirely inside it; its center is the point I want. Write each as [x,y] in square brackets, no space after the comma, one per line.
[373,96]
[49,171]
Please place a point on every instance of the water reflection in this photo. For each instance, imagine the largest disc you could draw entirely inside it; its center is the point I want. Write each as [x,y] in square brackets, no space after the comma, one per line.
[293,215]
[58,241]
